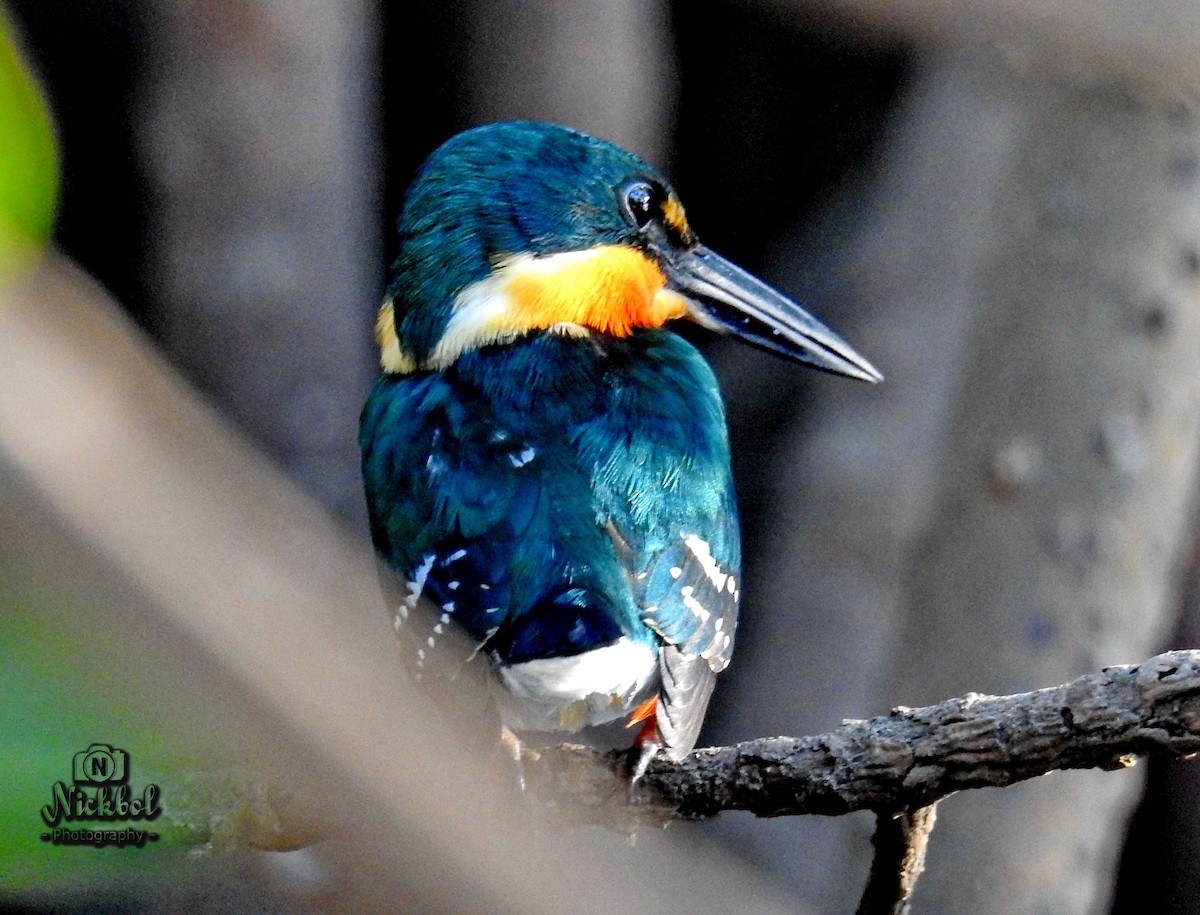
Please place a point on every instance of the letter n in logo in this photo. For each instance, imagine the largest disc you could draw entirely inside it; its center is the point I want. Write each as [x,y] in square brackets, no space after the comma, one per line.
[99,764]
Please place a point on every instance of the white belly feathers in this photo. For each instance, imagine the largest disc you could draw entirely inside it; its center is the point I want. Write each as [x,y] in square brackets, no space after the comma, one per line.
[566,694]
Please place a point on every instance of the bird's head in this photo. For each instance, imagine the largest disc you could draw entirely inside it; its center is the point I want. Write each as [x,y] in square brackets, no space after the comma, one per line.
[524,227]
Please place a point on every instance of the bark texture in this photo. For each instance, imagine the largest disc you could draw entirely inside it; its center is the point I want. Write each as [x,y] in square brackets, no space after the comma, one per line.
[901,840]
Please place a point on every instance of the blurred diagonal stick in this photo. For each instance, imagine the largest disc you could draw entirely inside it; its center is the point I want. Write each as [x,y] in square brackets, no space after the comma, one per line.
[907,759]
[257,582]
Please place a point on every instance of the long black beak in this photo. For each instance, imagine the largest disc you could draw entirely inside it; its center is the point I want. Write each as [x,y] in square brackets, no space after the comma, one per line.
[725,298]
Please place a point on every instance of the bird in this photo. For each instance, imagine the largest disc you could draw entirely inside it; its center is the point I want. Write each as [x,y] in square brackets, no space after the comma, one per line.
[546,461]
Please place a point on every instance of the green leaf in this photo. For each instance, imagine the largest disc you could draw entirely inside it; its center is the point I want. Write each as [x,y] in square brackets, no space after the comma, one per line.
[28,159]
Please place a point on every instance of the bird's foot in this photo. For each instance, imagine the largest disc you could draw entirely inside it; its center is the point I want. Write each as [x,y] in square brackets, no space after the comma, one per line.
[646,751]
[642,753]
[648,742]
[510,743]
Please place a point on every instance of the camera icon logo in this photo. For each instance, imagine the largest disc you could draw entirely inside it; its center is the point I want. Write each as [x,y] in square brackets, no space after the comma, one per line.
[99,764]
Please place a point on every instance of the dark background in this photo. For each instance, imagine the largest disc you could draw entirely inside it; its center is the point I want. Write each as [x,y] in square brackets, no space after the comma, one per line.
[843,158]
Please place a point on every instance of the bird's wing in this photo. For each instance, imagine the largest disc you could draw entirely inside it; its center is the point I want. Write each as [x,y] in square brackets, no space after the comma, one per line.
[690,598]
[662,481]
[495,529]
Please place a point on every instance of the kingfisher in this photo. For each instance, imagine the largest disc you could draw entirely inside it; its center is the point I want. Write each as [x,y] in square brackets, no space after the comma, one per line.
[544,459]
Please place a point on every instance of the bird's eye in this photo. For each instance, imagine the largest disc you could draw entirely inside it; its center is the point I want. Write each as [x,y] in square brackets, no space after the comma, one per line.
[644,201]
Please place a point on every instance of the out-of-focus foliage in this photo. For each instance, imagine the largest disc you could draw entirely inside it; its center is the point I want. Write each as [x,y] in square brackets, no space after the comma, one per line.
[53,706]
[28,159]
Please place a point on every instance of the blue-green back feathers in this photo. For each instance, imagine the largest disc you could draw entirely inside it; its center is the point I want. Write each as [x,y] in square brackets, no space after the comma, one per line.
[564,469]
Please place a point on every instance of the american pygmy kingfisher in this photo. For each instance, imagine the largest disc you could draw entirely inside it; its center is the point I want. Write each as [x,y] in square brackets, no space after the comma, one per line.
[544,460]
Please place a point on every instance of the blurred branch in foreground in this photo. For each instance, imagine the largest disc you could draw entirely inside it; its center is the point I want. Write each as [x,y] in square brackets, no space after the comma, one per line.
[246,623]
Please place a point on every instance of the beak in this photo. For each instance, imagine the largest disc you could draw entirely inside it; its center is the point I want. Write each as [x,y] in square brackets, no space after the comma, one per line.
[725,298]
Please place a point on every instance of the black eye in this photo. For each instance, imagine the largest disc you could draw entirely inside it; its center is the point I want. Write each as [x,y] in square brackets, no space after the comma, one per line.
[644,201]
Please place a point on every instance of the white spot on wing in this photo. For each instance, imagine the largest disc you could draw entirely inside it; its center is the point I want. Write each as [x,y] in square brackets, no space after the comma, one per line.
[487,637]
[520,460]
[703,553]
[417,586]
[695,606]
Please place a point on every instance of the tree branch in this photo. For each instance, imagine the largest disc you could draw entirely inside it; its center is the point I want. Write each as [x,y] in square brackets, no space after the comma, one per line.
[902,761]
[900,841]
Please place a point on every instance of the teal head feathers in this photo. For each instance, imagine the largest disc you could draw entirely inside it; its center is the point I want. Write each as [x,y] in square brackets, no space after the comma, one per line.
[526,227]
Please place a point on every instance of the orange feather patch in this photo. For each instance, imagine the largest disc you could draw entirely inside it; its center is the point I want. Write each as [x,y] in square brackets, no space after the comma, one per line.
[646,710]
[612,289]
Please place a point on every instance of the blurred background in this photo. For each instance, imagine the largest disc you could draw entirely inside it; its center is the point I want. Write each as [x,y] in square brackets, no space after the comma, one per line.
[997,203]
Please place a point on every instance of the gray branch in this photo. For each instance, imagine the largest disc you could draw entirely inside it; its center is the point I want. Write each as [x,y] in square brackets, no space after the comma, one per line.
[905,760]
[901,839]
